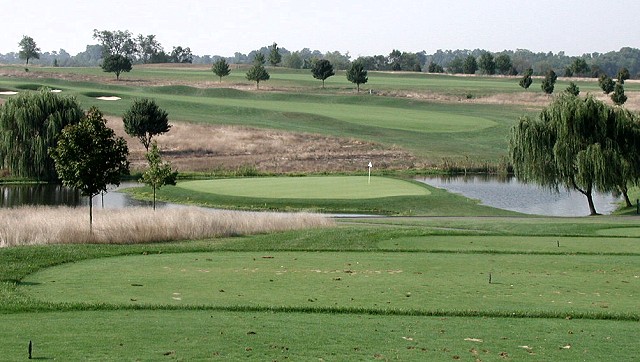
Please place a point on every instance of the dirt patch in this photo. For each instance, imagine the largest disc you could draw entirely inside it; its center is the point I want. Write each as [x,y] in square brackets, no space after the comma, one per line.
[207,148]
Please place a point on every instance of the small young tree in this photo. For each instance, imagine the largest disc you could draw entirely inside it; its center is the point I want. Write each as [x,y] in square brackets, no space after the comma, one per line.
[159,173]
[28,49]
[221,68]
[322,69]
[258,73]
[274,55]
[357,74]
[573,89]
[116,64]
[144,120]
[89,157]
[606,84]
[618,97]
[549,82]
[526,80]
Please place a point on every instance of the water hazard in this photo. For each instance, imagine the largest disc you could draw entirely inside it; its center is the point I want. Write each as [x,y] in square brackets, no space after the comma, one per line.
[510,194]
[503,193]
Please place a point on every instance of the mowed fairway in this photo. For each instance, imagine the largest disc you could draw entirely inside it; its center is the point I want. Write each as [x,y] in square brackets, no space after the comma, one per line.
[419,282]
[388,288]
[431,129]
[330,187]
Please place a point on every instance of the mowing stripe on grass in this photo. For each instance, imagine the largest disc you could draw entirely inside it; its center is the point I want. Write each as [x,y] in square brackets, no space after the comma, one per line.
[342,187]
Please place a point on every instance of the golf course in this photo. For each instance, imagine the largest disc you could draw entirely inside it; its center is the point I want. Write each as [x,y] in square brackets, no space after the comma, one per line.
[376,266]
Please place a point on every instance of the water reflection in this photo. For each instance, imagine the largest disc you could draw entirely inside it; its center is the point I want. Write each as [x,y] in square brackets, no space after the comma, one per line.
[57,195]
[40,194]
[507,193]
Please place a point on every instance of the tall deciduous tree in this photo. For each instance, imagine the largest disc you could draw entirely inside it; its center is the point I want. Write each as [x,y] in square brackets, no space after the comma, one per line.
[274,55]
[357,74]
[580,68]
[30,124]
[181,55]
[503,64]
[116,64]
[89,157]
[116,42]
[221,68]
[322,69]
[159,173]
[144,120]
[28,49]
[549,82]
[470,65]
[487,63]
[456,66]
[576,143]
[147,48]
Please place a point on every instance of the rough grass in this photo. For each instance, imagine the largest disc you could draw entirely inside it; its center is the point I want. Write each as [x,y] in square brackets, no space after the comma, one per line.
[211,148]
[51,225]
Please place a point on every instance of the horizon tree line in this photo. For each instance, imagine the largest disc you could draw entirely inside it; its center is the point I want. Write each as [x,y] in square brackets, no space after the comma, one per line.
[146,49]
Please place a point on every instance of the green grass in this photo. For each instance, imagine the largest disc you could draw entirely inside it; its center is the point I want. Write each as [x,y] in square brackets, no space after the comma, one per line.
[281,193]
[433,130]
[336,187]
[338,294]
[216,335]
[555,284]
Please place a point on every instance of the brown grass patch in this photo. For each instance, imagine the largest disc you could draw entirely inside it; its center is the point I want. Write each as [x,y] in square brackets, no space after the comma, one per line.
[63,225]
[208,148]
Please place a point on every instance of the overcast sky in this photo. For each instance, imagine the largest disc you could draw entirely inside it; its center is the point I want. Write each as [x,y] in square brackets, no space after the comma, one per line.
[369,27]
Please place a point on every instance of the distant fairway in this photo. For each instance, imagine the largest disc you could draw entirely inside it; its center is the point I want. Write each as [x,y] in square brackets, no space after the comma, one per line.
[344,187]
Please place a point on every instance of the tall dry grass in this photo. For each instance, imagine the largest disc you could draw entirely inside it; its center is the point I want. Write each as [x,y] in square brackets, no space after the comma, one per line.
[62,225]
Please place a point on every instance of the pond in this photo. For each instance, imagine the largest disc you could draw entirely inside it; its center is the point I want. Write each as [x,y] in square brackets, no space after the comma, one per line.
[57,195]
[510,194]
[503,193]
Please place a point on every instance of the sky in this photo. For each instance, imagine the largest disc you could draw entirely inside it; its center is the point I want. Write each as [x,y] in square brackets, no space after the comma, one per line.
[369,27]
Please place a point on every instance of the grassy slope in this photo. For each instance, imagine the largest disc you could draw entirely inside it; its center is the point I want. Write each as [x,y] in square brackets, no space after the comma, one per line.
[437,202]
[429,129]
[319,329]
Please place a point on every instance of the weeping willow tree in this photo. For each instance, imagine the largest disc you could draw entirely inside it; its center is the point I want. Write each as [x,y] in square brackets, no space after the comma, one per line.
[30,124]
[578,144]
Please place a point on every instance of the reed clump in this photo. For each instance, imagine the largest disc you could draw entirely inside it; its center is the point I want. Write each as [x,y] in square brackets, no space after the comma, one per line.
[65,225]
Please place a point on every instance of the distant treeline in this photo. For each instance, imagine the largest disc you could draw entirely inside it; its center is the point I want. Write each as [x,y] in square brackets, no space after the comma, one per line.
[509,62]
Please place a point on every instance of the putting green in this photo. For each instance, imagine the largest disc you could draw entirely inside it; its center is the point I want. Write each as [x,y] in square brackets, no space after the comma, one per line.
[339,187]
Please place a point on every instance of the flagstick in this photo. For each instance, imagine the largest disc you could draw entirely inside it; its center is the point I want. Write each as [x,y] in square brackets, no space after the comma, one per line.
[369,180]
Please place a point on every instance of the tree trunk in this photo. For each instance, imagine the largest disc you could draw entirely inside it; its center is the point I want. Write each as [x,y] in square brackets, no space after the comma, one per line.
[154,198]
[592,207]
[91,214]
[323,84]
[626,199]
[625,195]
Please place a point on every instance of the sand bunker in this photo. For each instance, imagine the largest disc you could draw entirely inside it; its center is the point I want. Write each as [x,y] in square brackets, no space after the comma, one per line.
[112,98]
[56,90]
[8,93]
